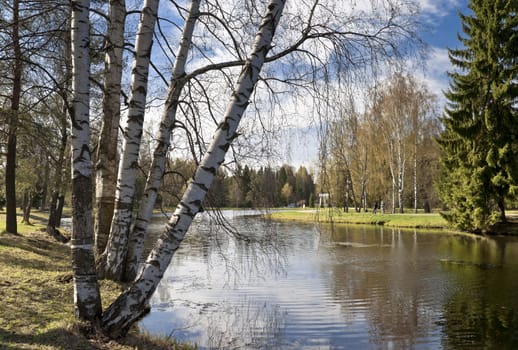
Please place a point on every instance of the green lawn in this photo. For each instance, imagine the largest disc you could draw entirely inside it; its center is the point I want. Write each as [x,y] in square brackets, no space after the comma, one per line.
[334,215]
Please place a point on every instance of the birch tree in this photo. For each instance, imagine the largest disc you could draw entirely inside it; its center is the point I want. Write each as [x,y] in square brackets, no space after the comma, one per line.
[310,42]
[87,299]
[106,167]
[115,253]
[154,178]
[393,117]
[131,304]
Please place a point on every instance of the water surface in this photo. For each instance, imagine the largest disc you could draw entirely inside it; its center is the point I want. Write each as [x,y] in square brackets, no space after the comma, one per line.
[299,286]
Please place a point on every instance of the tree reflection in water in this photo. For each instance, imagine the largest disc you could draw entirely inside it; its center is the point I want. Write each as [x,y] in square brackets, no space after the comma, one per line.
[288,286]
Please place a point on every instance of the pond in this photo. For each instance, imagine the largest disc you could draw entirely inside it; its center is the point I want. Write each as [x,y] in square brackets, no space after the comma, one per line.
[301,286]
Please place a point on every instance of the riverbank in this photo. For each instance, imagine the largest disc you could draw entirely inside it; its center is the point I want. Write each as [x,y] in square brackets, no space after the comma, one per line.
[36,293]
[406,220]
[338,216]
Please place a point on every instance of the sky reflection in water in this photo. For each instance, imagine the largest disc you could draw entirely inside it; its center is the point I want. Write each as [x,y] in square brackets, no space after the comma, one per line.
[347,287]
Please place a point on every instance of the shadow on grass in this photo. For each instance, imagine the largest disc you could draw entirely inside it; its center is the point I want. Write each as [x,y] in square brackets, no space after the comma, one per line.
[57,338]
[36,243]
[74,339]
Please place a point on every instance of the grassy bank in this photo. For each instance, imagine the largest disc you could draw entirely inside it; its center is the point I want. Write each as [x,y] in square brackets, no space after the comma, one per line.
[36,296]
[334,215]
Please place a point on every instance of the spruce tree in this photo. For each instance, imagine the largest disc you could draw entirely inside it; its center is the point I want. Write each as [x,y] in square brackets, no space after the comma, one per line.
[479,167]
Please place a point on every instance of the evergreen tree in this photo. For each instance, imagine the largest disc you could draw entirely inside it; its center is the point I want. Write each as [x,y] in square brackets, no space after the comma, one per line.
[480,139]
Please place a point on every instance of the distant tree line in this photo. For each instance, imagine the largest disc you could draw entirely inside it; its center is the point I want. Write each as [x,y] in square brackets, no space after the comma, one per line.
[244,187]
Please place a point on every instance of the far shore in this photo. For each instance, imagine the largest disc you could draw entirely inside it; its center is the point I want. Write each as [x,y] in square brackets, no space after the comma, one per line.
[338,216]
[419,220]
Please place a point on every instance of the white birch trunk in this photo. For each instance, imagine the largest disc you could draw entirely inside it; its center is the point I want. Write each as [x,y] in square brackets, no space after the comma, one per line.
[392,174]
[115,252]
[86,290]
[401,172]
[415,175]
[156,172]
[106,167]
[128,307]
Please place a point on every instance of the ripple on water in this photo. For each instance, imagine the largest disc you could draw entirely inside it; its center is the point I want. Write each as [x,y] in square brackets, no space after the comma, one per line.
[354,289]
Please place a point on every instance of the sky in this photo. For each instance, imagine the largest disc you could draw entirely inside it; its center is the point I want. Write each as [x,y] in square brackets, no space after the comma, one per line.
[442,24]
[443,19]
[439,32]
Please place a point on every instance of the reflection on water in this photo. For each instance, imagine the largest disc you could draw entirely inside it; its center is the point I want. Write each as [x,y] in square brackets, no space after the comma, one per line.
[294,286]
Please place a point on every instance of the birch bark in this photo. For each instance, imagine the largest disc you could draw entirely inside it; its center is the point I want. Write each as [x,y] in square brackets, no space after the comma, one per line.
[129,306]
[401,160]
[106,167]
[87,300]
[115,253]
[156,172]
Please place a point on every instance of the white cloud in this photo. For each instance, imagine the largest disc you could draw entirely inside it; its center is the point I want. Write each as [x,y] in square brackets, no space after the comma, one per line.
[436,71]
[437,8]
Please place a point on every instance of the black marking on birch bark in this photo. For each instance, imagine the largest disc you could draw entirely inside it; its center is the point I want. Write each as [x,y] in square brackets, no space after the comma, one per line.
[141,90]
[223,125]
[188,211]
[84,149]
[174,219]
[211,170]
[196,203]
[233,137]
[202,186]
[224,147]
[154,263]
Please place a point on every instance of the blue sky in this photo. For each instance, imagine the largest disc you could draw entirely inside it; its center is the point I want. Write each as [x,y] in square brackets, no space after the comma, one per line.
[442,26]
[445,23]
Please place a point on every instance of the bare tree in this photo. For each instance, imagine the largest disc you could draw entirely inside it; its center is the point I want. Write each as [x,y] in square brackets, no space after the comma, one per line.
[106,167]
[130,305]
[12,122]
[87,298]
[116,248]
[154,178]
[318,39]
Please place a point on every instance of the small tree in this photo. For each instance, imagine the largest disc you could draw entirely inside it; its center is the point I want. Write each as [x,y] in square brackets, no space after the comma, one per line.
[287,193]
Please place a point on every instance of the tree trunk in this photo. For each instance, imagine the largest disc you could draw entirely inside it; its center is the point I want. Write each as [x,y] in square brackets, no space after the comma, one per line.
[114,256]
[12,127]
[56,204]
[415,166]
[87,300]
[106,167]
[130,305]
[401,175]
[45,185]
[156,172]
[59,211]
[26,207]
[501,207]
[346,205]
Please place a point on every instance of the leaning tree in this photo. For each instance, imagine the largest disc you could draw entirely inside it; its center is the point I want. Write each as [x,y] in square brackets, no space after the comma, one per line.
[320,40]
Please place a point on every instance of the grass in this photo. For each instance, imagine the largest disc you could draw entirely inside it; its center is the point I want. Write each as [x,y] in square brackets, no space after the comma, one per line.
[335,215]
[36,296]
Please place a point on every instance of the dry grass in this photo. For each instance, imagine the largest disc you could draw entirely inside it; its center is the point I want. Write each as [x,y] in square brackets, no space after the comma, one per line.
[36,297]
